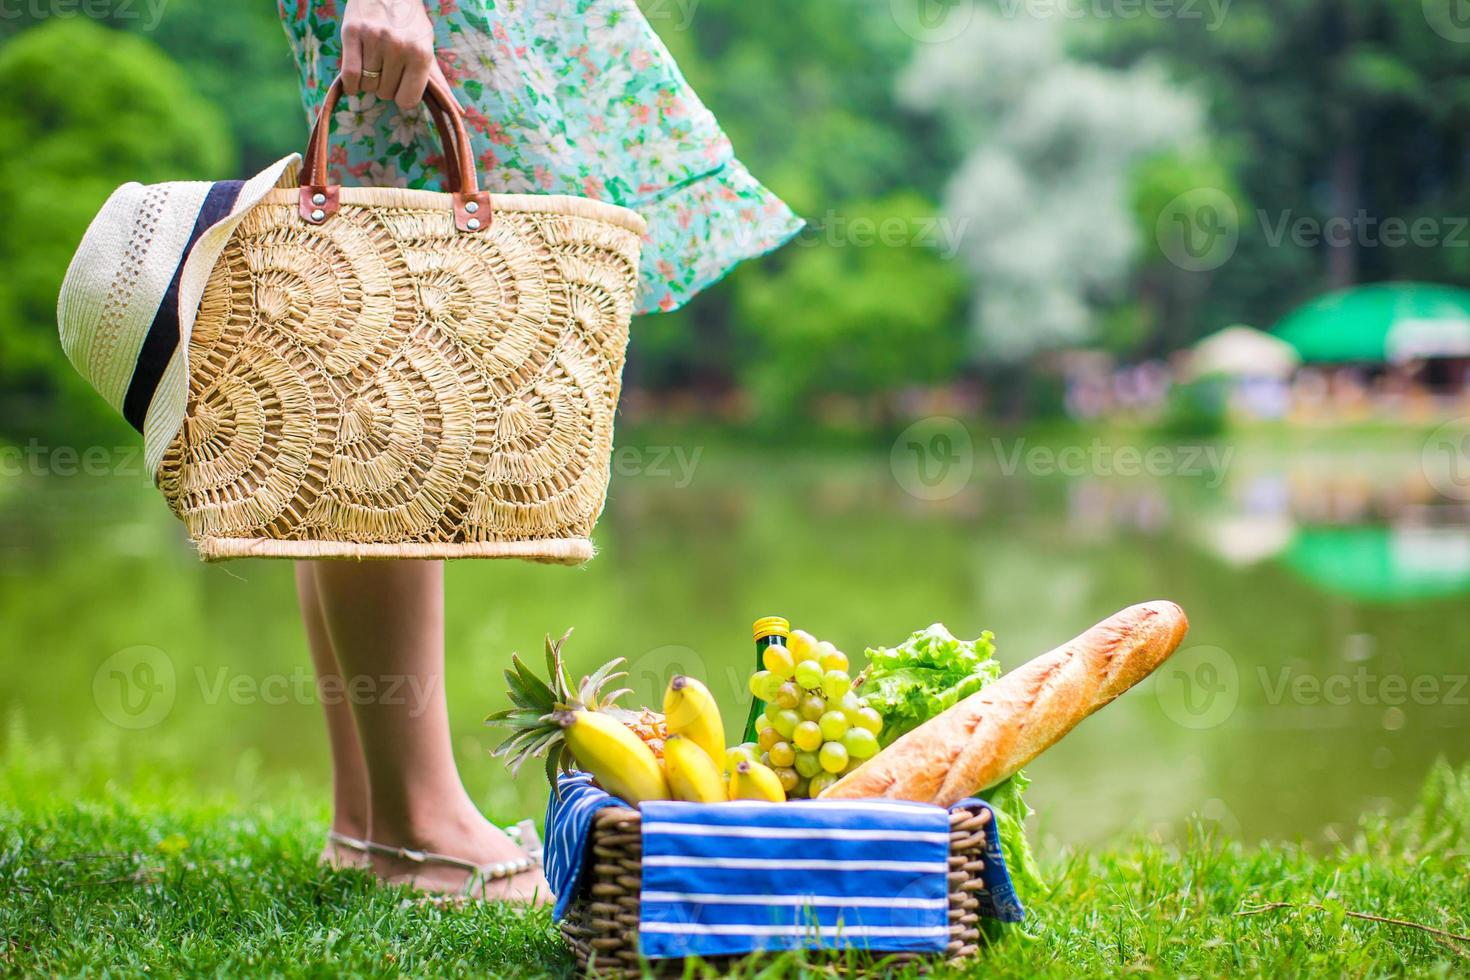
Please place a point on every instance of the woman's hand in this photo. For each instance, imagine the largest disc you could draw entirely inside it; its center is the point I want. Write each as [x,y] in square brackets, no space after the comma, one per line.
[388,49]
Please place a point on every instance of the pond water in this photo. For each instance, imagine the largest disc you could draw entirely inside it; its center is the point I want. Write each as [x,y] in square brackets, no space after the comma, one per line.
[1324,672]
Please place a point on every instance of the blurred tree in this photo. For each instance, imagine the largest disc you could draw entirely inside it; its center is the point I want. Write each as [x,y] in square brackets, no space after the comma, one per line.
[237,57]
[64,146]
[235,54]
[863,307]
[1170,194]
[1353,111]
[1052,238]
[805,92]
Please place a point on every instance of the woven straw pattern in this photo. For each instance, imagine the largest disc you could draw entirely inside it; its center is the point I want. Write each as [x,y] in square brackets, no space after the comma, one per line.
[382,386]
[119,298]
[601,927]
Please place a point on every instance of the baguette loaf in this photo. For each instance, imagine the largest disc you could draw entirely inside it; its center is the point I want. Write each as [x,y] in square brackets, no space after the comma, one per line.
[985,738]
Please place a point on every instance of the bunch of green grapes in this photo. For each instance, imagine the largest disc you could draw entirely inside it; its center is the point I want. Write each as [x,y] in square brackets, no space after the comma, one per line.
[815,727]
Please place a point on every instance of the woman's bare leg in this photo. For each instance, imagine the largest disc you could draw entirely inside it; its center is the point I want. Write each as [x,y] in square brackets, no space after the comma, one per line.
[386,623]
[349,773]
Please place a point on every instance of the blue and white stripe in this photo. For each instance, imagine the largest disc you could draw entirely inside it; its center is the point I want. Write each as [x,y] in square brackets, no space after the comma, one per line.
[733,878]
[729,878]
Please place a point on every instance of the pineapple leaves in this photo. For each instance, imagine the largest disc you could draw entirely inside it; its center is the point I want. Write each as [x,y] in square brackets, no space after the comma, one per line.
[538,707]
[517,691]
[532,688]
[590,690]
[556,667]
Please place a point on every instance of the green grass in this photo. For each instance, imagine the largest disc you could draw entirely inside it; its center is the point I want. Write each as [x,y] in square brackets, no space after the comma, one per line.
[153,878]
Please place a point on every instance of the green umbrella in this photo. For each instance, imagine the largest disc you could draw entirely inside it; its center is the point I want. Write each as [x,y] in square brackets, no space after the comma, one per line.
[1383,564]
[1391,321]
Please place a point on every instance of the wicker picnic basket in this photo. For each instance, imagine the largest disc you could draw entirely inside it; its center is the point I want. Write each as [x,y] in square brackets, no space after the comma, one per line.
[601,926]
[388,373]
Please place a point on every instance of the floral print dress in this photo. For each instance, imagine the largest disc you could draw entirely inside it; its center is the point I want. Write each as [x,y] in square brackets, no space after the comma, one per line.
[561,97]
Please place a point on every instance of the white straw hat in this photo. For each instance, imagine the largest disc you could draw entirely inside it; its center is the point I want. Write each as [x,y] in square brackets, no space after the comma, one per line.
[131,293]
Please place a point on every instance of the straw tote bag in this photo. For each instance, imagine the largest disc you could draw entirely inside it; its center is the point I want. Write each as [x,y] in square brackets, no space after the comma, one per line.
[388,373]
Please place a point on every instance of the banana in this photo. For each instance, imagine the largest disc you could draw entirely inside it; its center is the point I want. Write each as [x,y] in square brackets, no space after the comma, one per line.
[690,710]
[622,763]
[753,781]
[693,775]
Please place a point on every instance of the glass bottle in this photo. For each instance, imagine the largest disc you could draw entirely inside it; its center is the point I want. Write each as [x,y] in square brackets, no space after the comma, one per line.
[767,630]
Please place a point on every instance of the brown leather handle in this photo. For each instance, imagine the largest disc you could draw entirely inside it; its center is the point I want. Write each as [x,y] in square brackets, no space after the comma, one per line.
[472,208]
[441,124]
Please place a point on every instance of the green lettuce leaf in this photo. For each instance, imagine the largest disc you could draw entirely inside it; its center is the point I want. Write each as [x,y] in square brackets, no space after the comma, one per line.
[927,674]
[1011,812]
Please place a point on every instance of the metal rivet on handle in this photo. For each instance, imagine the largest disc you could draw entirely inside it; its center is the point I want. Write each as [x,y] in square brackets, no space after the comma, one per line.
[473,224]
[472,206]
[318,199]
[318,214]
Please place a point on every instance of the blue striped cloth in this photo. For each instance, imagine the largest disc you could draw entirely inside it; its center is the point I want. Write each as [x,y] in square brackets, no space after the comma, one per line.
[568,823]
[733,878]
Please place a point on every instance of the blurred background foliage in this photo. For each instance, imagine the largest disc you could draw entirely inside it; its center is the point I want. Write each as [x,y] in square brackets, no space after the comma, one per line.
[1043,149]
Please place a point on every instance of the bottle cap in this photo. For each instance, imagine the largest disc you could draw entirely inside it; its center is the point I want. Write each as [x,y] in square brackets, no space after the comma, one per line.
[771,626]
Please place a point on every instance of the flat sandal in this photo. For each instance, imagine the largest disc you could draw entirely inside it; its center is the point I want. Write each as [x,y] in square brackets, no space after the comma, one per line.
[480,875]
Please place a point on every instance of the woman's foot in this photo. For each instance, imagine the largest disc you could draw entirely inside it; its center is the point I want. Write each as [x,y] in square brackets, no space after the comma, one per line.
[472,840]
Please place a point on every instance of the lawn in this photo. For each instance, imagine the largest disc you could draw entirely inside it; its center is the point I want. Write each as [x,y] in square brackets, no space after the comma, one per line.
[149,876]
